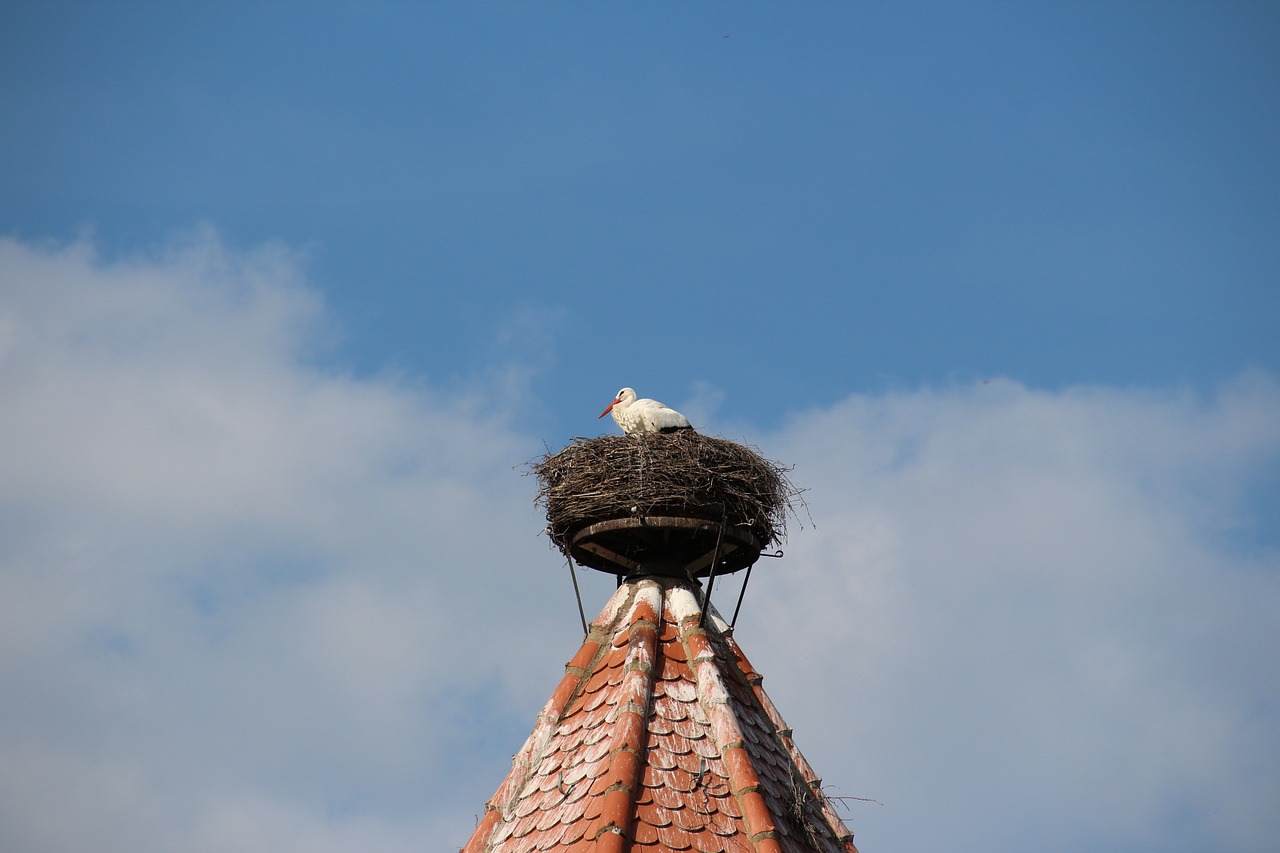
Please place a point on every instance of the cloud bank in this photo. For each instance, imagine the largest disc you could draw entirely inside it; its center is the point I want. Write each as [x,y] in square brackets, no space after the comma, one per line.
[250,602]
[1047,620]
[239,591]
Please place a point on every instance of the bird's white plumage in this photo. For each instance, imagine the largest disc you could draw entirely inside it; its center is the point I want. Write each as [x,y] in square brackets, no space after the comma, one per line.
[641,415]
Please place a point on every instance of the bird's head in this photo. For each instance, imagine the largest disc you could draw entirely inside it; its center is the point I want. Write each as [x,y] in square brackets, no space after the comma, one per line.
[625,397]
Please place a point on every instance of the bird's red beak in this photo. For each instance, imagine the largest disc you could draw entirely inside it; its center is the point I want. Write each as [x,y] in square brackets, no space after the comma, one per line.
[608,410]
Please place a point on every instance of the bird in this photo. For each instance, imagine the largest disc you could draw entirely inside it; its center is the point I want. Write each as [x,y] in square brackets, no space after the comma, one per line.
[637,417]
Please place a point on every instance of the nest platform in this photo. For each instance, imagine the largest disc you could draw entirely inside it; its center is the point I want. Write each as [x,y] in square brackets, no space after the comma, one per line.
[681,504]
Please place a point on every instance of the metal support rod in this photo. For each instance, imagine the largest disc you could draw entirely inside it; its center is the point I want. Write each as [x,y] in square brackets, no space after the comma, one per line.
[741,594]
[577,593]
[715,564]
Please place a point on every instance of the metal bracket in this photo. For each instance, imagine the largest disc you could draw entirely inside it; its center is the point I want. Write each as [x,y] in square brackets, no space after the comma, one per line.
[582,614]
[715,564]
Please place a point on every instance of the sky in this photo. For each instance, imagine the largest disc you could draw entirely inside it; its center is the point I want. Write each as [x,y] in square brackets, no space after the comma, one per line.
[290,295]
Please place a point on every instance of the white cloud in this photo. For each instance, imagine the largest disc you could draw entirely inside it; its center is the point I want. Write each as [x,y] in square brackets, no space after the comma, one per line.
[251,603]
[235,583]
[1027,620]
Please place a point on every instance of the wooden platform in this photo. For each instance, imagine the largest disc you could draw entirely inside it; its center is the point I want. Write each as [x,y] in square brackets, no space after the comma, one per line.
[664,545]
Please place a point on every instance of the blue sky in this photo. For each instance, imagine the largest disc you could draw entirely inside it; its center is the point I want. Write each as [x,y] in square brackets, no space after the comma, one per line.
[843,198]
[288,293]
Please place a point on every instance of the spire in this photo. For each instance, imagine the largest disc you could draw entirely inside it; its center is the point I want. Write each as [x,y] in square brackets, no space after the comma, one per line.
[660,737]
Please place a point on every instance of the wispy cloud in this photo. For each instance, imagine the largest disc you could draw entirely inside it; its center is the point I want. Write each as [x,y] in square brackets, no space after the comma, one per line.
[248,602]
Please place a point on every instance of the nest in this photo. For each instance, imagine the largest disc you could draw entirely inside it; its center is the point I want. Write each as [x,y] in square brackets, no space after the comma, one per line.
[681,474]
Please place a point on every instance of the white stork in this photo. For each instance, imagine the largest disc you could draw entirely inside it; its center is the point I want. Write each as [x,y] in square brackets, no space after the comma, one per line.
[637,417]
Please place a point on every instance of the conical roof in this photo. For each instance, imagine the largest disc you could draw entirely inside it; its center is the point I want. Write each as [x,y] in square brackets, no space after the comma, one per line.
[660,737]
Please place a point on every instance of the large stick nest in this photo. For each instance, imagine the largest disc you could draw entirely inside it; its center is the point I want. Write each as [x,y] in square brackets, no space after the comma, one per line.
[679,474]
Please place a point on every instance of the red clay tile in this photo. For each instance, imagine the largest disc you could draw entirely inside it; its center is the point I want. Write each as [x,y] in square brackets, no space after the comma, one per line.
[593,808]
[646,833]
[673,838]
[574,832]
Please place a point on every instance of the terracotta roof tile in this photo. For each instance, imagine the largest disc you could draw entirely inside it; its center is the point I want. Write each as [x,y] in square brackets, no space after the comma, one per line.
[660,737]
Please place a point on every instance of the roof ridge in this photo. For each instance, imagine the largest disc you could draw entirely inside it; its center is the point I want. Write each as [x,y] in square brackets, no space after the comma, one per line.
[729,738]
[629,719]
[785,735]
[579,667]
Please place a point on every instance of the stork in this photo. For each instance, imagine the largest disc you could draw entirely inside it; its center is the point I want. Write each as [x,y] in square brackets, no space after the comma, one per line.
[640,416]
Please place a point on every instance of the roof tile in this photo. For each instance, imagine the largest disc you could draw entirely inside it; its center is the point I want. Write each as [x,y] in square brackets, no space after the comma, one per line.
[574,832]
[673,838]
[660,737]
